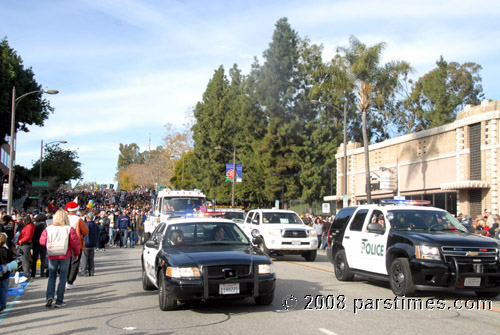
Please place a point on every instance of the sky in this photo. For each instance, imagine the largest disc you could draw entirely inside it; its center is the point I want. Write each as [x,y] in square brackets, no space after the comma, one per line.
[126,68]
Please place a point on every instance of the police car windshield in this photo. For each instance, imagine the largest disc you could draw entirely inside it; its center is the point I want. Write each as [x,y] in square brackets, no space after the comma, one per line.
[204,233]
[424,220]
[283,218]
[181,204]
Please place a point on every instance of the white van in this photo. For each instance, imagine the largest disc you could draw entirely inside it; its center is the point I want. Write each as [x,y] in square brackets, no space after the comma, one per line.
[174,204]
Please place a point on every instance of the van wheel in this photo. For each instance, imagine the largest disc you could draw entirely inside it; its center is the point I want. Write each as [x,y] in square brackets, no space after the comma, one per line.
[342,269]
[310,256]
[400,278]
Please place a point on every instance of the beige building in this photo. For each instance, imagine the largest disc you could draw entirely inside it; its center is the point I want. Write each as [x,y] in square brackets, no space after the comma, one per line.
[455,166]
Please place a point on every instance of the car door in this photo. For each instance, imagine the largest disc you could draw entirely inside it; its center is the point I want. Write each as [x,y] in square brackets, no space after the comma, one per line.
[374,244]
[352,239]
[151,249]
[247,225]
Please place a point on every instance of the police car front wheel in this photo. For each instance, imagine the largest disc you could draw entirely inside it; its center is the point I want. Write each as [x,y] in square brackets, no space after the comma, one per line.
[400,278]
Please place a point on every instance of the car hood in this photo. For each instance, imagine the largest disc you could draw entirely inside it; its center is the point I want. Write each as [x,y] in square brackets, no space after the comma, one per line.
[285,226]
[213,255]
[451,239]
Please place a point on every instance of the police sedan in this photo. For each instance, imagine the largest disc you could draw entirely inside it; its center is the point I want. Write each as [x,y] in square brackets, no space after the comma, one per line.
[205,259]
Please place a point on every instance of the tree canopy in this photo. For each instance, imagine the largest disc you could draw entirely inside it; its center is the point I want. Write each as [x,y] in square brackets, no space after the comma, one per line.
[284,120]
[32,109]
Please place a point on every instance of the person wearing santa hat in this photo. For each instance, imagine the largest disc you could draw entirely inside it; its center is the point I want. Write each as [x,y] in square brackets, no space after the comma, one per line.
[82,230]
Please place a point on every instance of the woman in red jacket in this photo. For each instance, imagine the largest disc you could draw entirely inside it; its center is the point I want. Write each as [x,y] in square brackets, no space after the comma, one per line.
[59,263]
[25,243]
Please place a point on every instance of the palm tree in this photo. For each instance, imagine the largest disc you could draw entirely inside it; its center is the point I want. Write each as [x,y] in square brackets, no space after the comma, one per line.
[363,64]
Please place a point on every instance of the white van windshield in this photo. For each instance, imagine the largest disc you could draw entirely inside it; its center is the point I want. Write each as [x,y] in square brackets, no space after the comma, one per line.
[181,204]
[283,218]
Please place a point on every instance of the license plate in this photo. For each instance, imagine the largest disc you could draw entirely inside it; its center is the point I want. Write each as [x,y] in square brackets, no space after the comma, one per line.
[229,288]
[472,282]
[296,243]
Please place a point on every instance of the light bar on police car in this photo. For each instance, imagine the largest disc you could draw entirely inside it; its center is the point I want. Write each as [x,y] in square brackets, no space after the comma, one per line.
[405,202]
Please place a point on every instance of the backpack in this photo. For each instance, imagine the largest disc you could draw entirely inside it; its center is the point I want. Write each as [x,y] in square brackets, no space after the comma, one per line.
[57,240]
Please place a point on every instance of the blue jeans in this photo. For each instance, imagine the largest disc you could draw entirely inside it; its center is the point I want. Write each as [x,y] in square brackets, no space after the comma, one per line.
[130,236]
[54,265]
[112,232]
[4,290]
[324,243]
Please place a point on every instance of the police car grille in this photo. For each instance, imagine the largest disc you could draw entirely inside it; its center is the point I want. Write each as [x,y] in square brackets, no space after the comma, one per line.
[295,233]
[215,271]
[470,255]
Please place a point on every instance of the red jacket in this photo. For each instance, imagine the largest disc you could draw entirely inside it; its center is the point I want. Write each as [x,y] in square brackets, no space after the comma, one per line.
[73,244]
[26,234]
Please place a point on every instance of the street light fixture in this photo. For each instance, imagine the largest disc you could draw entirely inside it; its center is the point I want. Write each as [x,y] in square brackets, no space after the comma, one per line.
[15,102]
[234,170]
[41,162]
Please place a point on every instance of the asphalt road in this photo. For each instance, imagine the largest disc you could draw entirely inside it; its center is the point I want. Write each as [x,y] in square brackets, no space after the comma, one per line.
[308,300]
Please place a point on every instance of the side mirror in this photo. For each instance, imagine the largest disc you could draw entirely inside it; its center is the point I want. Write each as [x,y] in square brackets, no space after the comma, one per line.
[257,240]
[255,221]
[375,228]
[151,243]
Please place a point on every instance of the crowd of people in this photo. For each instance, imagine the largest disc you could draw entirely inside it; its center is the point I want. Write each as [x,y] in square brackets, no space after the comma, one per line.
[321,225]
[486,224]
[93,220]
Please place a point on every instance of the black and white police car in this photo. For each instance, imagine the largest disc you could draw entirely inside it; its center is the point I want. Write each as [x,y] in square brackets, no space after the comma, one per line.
[414,247]
[205,259]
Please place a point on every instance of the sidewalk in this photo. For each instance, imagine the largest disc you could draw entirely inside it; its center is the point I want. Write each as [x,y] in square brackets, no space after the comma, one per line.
[88,307]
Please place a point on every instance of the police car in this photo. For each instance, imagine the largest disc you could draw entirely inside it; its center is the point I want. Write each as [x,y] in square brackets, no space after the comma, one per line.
[282,232]
[414,247]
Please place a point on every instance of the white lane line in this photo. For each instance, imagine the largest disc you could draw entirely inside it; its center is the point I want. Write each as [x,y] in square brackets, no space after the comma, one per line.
[326,331]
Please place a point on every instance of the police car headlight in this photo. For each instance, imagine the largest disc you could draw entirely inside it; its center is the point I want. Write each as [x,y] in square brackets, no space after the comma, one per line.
[177,272]
[265,269]
[275,232]
[312,233]
[428,253]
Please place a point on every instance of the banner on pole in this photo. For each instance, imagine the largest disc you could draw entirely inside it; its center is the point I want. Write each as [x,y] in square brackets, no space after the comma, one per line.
[229,172]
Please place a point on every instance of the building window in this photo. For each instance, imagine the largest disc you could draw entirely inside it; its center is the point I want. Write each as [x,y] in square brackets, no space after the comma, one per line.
[475,196]
[475,151]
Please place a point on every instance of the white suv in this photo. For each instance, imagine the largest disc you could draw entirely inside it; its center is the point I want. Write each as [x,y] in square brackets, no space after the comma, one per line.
[283,232]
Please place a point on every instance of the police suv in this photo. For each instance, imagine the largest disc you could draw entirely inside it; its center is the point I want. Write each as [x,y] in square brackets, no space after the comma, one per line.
[282,232]
[414,248]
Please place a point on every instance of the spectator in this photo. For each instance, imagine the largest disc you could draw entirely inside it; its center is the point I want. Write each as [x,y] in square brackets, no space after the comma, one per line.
[103,223]
[318,227]
[38,249]
[90,242]
[324,233]
[59,264]
[81,231]
[25,243]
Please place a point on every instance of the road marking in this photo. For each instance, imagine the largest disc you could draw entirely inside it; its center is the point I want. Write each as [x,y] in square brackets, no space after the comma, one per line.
[311,266]
[326,331]
[494,309]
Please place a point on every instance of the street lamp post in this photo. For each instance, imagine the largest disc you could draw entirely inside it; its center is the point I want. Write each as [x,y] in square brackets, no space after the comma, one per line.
[15,101]
[234,171]
[41,162]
